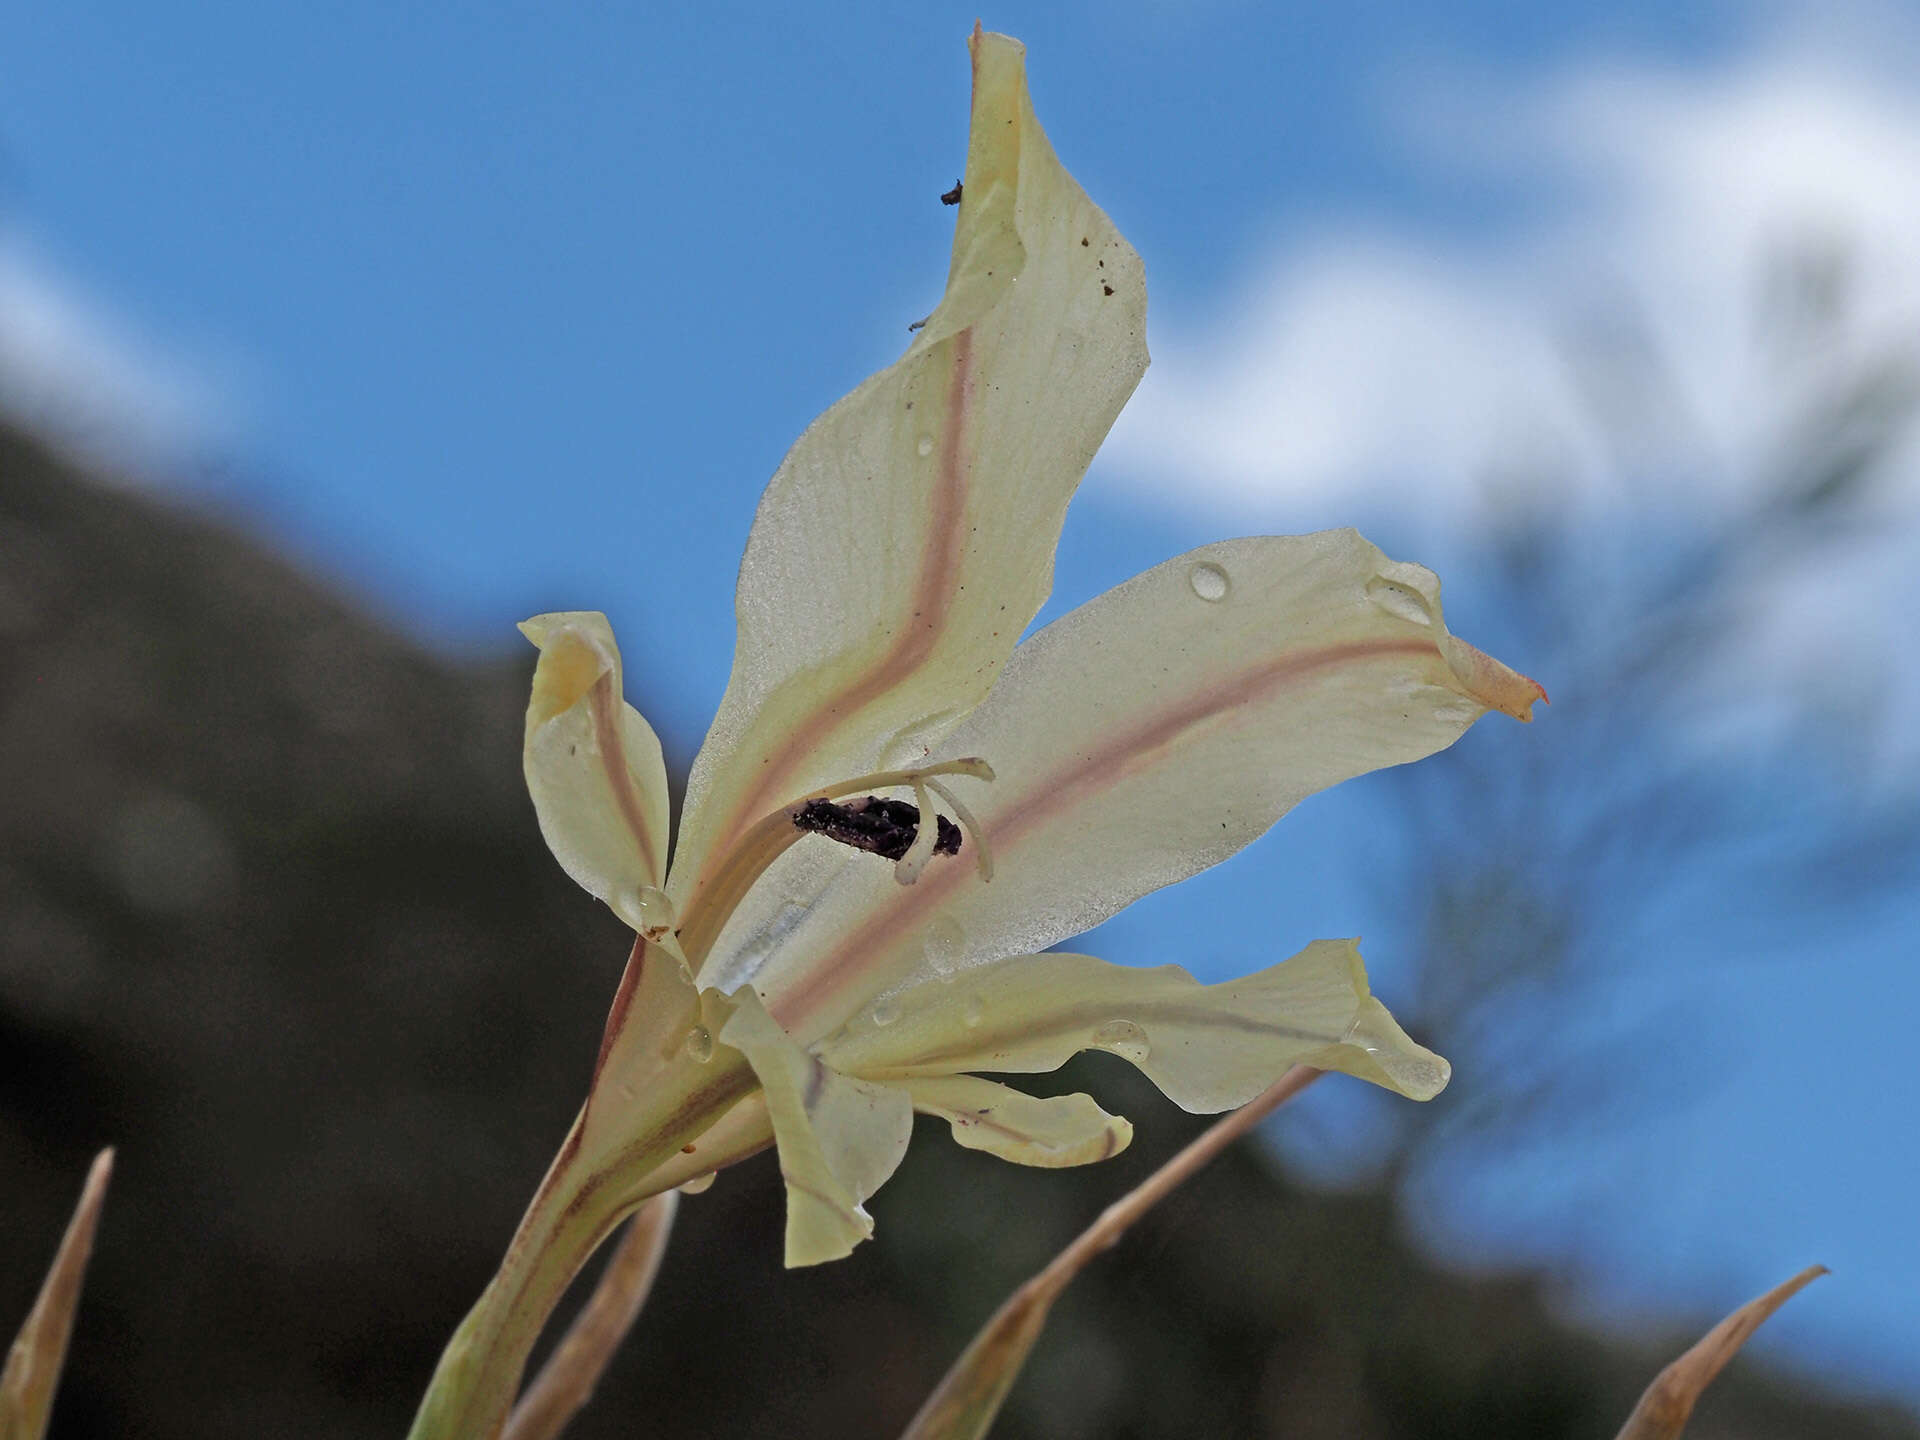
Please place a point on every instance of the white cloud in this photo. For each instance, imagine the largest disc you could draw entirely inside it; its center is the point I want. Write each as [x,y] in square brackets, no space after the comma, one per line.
[80,375]
[1379,366]
[1619,345]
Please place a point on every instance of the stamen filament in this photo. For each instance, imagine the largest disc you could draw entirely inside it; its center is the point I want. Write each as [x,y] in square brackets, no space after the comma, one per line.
[982,855]
[908,867]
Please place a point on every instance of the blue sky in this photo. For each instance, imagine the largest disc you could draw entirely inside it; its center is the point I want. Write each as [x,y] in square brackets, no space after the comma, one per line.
[497,309]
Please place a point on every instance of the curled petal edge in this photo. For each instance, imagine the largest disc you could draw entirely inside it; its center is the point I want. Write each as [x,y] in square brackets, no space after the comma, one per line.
[1051,1132]
[1207,1047]
[594,769]
[839,1138]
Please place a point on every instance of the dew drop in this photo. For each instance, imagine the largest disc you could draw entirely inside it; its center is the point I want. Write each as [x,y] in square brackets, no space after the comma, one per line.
[646,908]
[942,945]
[698,1184]
[973,1010]
[925,446]
[884,1012]
[699,1044]
[1125,1039]
[1401,600]
[1209,581]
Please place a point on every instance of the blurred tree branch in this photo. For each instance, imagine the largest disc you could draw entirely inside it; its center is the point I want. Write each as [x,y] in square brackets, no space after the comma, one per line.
[1678,754]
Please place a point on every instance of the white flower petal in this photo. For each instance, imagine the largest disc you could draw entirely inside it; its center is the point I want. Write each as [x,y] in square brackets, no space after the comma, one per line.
[1054,1132]
[908,538]
[1148,735]
[653,1012]
[1208,1047]
[839,1138]
[593,767]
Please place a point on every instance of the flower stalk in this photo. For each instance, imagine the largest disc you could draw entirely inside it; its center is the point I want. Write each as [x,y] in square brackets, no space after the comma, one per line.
[582,1200]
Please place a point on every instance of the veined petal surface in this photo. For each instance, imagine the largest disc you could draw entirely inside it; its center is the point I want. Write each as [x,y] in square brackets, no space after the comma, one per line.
[653,1012]
[907,539]
[744,1130]
[839,1138]
[593,766]
[1208,1047]
[1051,1131]
[1148,735]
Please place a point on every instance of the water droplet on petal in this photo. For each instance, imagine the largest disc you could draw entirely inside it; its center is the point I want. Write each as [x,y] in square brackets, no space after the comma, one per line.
[1209,581]
[699,1044]
[925,446]
[1412,1070]
[698,1184]
[942,945]
[973,1010]
[646,908]
[1125,1039]
[884,1012]
[1401,600]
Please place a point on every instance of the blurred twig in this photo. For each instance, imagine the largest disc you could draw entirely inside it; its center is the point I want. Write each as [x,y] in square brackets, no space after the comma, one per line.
[565,1383]
[969,1396]
[33,1365]
[1668,1403]
[1635,625]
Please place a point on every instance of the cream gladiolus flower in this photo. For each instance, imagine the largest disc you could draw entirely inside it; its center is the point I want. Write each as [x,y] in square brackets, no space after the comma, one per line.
[818,940]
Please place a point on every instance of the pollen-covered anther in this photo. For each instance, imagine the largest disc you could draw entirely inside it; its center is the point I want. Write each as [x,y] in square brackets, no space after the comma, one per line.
[896,829]
[875,824]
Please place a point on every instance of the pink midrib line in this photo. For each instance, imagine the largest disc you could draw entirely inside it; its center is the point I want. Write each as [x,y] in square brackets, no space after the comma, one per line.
[613,757]
[1058,792]
[932,599]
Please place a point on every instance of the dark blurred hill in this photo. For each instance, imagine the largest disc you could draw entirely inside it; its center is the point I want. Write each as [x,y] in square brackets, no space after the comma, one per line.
[276,921]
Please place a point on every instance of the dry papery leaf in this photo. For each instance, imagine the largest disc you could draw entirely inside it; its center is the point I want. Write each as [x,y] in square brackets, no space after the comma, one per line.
[33,1365]
[969,1396]
[565,1383]
[1668,1403]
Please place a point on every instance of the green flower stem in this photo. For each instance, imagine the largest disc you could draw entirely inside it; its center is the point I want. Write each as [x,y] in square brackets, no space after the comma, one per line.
[582,1200]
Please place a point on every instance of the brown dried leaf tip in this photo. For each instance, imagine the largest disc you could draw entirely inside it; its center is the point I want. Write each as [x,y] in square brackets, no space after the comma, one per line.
[873,823]
[32,1370]
[1663,1411]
